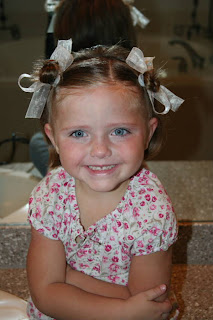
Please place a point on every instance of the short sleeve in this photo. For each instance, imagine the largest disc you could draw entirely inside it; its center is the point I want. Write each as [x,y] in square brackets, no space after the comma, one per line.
[153,223]
[45,206]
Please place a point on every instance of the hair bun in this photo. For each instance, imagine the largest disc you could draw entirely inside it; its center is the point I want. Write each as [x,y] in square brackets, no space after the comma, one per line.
[49,71]
[151,81]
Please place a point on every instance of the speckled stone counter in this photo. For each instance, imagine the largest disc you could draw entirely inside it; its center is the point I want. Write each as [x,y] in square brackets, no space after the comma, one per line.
[190,186]
[193,247]
[191,284]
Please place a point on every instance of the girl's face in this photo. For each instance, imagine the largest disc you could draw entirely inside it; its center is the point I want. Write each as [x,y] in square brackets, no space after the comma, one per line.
[100,134]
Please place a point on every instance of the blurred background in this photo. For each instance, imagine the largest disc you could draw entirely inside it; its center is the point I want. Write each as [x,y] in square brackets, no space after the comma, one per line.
[179,35]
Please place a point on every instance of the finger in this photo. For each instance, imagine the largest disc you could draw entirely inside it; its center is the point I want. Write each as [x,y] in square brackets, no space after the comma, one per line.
[165,316]
[166,307]
[156,292]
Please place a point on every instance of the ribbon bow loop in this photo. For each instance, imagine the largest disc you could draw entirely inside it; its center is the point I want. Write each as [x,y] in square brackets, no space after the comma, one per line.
[137,17]
[62,54]
[138,62]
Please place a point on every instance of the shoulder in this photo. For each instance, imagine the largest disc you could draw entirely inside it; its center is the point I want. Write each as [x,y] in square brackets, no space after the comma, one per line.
[48,201]
[149,211]
[54,182]
[145,188]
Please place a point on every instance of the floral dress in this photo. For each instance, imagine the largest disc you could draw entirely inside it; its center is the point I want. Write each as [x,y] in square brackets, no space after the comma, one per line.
[143,223]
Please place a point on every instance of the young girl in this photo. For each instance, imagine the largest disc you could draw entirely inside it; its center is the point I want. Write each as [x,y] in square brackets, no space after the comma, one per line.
[102,226]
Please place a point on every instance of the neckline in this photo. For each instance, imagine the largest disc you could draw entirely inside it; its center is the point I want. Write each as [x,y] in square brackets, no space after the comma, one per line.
[92,227]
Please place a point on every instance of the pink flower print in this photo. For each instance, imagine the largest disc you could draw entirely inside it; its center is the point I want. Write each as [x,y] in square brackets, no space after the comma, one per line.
[153,207]
[112,238]
[126,208]
[81,253]
[147,197]
[55,236]
[168,207]
[55,188]
[139,224]
[136,212]
[60,197]
[58,207]
[142,203]
[41,230]
[104,227]
[90,259]
[167,216]
[149,247]
[38,212]
[165,233]
[97,268]
[113,279]
[161,215]
[142,191]
[108,247]
[61,175]
[124,258]
[115,229]
[162,206]
[65,184]
[149,189]
[130,202]
[130,237]
[154,199]
[105,259]
[126,226]
[114,267]
[58,225]
[145,221]
[115,259]
[140,244]
[38,189]
[83,266]
[160,191]
[132,194]
[30,200]
[155,231]
[119,210]
[147,172]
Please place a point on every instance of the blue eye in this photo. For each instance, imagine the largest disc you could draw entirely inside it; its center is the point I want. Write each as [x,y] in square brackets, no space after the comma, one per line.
[78,134]
[120,132]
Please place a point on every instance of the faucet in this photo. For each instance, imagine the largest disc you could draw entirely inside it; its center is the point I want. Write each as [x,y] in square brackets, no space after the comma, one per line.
[182,66]
[197,60]
[14,139]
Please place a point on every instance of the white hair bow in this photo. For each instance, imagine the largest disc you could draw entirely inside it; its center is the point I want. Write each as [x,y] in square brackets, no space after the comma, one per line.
[138,62]
[137,17]
[62,54]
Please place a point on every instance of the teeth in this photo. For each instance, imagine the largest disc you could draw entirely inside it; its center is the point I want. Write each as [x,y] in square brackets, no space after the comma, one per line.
[101,168]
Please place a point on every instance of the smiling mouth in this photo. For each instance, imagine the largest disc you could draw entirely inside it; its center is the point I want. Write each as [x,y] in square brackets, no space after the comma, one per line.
[101,168]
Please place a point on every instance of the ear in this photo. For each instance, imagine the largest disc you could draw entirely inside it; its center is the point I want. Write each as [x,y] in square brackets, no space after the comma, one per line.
[153,123]
[49,132]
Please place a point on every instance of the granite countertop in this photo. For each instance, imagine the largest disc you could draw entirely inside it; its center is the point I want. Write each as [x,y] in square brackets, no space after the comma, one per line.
[191,284]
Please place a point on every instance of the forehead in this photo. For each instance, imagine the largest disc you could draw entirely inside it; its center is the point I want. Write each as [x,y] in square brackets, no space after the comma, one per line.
[112,94]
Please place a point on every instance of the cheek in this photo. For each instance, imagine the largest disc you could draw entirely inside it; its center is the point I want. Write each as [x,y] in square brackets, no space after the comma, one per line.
[71,152]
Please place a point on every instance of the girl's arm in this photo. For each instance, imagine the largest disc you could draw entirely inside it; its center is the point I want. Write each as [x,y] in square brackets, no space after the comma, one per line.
[90,284]
[149,271]
[46,270]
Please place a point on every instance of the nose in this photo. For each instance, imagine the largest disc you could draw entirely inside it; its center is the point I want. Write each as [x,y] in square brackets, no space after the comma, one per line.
[100,148]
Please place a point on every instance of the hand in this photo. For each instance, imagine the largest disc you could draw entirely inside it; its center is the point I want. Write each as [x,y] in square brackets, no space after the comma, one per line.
[143,307]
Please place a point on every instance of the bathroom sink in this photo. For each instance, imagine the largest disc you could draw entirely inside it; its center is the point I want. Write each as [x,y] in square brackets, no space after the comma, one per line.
[15,187]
